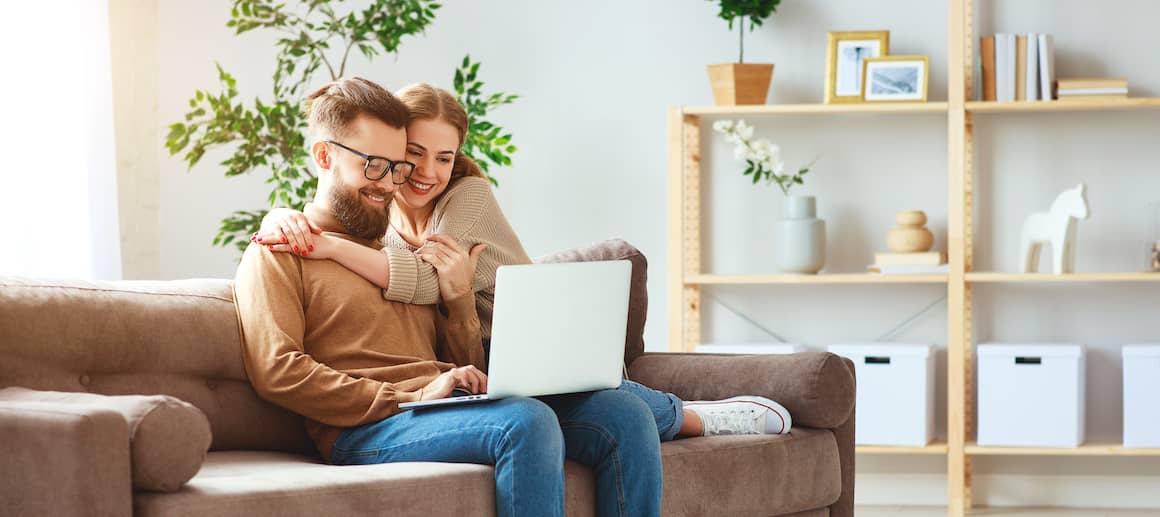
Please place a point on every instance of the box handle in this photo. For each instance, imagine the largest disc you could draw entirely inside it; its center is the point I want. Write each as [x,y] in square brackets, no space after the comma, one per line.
[877,360]
[1028,360]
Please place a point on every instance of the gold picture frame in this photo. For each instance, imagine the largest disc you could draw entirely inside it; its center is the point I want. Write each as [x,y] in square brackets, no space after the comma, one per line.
[894,71]
[844,54]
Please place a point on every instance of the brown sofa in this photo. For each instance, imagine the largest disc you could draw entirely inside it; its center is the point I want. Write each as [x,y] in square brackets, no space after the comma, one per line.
[181,339]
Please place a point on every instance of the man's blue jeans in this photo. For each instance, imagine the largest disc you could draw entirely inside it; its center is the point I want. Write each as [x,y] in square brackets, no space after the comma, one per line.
[667,408]
[613,431]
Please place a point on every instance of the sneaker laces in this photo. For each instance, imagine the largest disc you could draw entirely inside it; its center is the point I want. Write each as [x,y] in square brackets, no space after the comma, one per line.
[731,420]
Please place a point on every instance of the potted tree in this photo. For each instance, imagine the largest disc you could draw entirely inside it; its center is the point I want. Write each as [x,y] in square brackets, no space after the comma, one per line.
[268,137]
[741,82]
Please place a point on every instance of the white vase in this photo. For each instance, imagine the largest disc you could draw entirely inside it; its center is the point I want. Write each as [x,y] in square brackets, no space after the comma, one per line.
[800,237]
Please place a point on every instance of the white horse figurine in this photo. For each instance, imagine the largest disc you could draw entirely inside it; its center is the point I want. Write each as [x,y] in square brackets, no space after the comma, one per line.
[1056,227]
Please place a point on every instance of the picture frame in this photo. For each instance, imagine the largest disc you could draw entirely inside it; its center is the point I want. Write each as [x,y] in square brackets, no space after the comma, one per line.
[895,78]
[844,55]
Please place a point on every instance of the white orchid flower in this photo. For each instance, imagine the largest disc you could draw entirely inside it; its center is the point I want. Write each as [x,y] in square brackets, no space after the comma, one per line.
[762,154]
[743,130]
[778,167]
[741,152]
[758,151]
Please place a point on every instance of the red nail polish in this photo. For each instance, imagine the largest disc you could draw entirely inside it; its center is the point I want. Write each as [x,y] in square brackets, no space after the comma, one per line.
[295,249]
[271,246]
[311,247]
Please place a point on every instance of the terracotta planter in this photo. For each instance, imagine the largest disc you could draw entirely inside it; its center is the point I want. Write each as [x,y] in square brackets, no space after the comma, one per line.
[740,83]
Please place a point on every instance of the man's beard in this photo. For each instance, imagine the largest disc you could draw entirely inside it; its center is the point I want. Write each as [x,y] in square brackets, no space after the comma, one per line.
[359,219]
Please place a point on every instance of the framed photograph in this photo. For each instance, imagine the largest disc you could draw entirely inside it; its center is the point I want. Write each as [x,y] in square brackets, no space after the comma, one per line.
[845,53]
[896,79]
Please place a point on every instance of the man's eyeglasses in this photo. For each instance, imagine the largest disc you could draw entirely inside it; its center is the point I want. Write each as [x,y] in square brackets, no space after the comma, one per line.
[376,167]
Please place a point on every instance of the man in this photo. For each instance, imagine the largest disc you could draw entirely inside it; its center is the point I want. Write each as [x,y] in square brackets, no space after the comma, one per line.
[321,341]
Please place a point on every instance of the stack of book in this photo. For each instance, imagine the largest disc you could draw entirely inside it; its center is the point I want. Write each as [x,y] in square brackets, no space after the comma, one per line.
[908,263]
[1017,67]
[1092,89]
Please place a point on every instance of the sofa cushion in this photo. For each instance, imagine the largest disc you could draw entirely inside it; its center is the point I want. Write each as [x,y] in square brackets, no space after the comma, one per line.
[617,249]
[168,438]
[741,475]
[255,484]
[751,475]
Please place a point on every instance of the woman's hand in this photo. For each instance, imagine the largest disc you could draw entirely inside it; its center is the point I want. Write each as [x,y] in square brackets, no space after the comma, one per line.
[467,378]
[456,267]
[288,227]
[324,247]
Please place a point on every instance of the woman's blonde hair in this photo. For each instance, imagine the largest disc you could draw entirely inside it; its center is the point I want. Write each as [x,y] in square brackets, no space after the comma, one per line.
[426,102]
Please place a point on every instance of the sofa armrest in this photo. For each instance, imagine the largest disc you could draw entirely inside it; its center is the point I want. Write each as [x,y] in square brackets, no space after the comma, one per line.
[64,460]
[816,387]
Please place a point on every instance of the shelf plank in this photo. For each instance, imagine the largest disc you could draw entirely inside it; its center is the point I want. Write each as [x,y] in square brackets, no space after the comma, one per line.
[990,276]
[1131,103]
[935,448]
[818,109]
[835,278]
[1087,449]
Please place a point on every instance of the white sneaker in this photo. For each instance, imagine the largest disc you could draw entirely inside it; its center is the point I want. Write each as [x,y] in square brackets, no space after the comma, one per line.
[741,415]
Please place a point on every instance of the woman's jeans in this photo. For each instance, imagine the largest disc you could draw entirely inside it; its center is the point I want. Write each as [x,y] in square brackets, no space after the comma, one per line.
[667,409]
[613,431]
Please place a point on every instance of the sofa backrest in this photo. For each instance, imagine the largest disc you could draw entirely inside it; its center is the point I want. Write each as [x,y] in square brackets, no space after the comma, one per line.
[178,338]
[182,338]
[617,249]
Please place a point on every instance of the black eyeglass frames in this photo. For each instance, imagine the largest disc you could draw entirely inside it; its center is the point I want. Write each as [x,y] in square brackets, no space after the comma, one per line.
[376,167]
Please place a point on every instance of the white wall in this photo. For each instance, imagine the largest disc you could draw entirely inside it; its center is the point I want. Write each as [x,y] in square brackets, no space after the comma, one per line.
[595,79]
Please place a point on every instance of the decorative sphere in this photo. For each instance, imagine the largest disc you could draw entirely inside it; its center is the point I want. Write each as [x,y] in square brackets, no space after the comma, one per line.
[909,235]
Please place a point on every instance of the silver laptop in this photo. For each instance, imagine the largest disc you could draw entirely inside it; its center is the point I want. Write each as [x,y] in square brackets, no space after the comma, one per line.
[556,328]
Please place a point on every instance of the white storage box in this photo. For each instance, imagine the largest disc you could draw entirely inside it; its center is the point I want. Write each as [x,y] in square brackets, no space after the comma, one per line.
[1141,385]
[749,348]
[1031,395]
[895,399]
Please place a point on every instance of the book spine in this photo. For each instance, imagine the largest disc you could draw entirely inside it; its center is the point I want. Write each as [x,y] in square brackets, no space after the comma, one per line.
[1070,84]
[1003,54]
[1032,84]
[1064,92]
[1046,67]
[1021,67]
[1070,98]
[987,56]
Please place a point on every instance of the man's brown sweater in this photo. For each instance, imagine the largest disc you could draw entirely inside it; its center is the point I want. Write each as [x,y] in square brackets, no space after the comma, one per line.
[321,341]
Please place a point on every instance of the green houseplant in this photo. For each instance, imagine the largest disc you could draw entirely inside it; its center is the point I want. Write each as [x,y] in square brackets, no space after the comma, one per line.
[268,136]
[741,82]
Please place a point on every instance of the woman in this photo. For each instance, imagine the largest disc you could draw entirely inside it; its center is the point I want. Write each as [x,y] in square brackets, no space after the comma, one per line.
[445,209]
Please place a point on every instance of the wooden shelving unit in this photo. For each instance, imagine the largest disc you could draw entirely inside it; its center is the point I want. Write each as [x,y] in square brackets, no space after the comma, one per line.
[817,109]
[993,277]
[1070,105]
[936,449]
[1087,449]
[685,277]
[832,278]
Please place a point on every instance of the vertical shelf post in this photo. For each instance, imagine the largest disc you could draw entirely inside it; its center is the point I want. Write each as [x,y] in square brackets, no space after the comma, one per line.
[959,243]
[684,230]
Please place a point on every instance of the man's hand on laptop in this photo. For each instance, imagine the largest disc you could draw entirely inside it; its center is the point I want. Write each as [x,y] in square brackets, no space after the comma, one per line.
[467,378]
